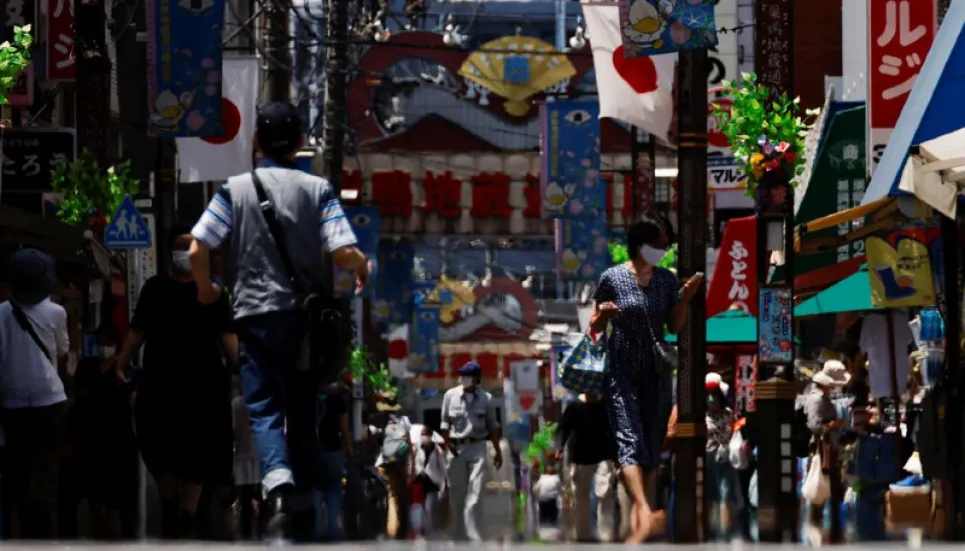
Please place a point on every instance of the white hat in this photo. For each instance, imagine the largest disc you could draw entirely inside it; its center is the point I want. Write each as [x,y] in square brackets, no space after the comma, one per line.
[716,379]
[833,374]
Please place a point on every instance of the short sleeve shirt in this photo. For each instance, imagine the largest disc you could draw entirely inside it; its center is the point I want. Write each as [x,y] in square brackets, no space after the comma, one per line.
[468,415]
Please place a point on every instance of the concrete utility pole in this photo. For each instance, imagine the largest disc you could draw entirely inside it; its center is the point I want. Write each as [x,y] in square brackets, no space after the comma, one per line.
[336,62]
[93,80]
[690,511]
[280,59]
[778,504]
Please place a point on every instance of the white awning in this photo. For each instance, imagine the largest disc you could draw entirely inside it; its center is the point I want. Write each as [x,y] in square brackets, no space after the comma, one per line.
[934,174]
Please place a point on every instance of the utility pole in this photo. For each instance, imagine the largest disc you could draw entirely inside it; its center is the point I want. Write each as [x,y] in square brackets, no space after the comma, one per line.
[333,132]
[93,80]
[690,510]
[776,391]
[280,59]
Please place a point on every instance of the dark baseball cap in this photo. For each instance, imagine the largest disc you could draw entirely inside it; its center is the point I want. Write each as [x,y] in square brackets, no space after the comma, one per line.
[278,128]
[32,275]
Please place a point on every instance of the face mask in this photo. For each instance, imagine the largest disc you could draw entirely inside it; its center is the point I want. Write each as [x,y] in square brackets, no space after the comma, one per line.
[652,255]
[466,381]
[426,441]
[181,261]
[108,351]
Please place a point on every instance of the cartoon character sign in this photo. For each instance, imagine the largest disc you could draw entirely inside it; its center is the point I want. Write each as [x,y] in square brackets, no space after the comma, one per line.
[647,22]
[652,27]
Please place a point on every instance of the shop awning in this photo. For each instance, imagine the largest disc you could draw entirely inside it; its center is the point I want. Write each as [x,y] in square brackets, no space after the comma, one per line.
[933,108]
[730,327]
[935,171]
[852,294]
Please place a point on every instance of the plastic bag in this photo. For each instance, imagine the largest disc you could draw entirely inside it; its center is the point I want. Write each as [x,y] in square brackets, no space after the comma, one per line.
[738,452]
[817,486]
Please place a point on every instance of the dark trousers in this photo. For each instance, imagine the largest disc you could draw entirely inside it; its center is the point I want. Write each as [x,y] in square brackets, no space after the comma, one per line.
[31,470]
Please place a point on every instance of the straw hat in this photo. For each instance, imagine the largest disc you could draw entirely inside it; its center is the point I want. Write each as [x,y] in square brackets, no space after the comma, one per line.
[833,374]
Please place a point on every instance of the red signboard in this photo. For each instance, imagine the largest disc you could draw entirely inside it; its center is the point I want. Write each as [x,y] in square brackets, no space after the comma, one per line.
[735,275]
[900,34]
[60,40]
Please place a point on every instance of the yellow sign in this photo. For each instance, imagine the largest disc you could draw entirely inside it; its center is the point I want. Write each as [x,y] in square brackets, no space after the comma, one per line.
[517,68]
[899,278]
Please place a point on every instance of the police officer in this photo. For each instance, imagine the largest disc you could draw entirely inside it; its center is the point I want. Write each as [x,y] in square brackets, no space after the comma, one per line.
[468,420]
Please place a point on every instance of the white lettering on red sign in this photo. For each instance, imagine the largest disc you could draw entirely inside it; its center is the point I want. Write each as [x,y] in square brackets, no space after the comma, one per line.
[739,292]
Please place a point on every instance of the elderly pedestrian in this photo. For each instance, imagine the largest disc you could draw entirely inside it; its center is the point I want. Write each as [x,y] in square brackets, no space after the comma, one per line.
[823,422]
[468,421]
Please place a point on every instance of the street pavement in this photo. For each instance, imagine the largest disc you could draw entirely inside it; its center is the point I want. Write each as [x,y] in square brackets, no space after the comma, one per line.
[444,546]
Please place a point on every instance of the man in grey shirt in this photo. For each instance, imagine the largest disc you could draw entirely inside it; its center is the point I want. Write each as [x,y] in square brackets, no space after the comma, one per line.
[270,277]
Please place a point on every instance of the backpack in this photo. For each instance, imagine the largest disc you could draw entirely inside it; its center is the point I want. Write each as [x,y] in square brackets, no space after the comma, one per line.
[395,443]
[800,434]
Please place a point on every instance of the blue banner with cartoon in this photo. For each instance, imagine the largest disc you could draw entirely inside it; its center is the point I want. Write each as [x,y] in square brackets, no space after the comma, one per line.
[581,249]
[775,333]
[424,339]
[393,296]
[365,224]
[652,27]
[184,68]
[570,184]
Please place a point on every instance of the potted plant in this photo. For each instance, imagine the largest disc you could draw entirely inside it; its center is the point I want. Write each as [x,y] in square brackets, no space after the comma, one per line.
[766,134]
[91,194]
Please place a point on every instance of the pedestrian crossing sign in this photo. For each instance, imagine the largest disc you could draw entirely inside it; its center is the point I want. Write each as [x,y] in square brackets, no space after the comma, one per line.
[128,230]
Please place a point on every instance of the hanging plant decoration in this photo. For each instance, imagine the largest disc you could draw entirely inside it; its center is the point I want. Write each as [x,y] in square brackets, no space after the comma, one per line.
[766,134]
[91,194]
[14,58]
[618,254]
[376,378]
[542,442]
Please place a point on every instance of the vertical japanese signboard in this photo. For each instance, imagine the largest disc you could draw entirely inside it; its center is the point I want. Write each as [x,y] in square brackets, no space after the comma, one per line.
[570,171]
[775,44]
[60,40]
[900,33]
[17,13]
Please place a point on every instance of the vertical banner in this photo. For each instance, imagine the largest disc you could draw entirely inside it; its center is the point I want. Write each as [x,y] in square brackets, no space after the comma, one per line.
[570,181]
[745,384]
[735,273]
[424,339]
[526,386]
[393,294]
[60,40]
[581,249]
[365,224]
[652,27]
[775,334]
[900,34]
[774,55]
[184,68]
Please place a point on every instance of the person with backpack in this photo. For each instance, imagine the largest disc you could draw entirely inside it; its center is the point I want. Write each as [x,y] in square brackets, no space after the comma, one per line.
[395,464]
[282,229]
[34,345]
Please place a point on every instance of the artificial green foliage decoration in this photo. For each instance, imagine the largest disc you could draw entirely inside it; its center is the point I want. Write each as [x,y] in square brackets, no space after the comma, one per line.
[376,377]
[765,131]
[90,192]
[542,442]
[14,58]
[669,260]
[618,254]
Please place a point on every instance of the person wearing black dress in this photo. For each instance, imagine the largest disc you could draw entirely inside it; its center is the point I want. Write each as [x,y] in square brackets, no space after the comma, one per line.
[182,409]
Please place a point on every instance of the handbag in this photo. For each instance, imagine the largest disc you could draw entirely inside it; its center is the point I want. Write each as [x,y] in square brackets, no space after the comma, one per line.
[583,368]
[817,485]
[664,352]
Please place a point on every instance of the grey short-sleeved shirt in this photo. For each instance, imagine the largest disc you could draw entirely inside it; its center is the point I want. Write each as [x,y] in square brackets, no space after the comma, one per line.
[467,415]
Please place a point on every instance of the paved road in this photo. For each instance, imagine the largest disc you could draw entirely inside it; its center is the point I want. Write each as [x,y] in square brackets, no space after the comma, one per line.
[442,546]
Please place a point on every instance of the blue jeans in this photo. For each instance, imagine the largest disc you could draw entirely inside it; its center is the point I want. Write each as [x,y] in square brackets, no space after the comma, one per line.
[281,400]
[327,516]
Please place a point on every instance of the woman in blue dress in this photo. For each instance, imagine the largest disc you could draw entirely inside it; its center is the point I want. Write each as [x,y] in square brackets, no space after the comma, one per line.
[637,300]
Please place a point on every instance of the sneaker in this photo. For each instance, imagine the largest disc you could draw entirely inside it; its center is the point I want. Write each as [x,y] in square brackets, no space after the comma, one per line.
[279,526]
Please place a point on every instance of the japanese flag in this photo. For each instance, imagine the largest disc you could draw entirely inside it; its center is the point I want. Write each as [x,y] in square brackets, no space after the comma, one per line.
[399,352]
[635,90]
[218,158]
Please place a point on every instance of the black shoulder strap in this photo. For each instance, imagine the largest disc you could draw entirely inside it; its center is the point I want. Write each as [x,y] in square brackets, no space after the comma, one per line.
[268,210]
[29,328]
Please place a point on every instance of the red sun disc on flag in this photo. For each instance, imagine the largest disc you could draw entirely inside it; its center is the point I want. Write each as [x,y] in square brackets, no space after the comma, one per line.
[398,349]
[231,118]
[639,72]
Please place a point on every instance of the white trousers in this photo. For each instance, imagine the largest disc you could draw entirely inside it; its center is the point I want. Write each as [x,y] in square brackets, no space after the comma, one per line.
[601,479]
[467,472]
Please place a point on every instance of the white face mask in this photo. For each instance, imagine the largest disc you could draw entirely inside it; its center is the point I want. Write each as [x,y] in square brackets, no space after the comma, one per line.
[426,441]
[181,261]
[652,255]
[466,381]
[108,351]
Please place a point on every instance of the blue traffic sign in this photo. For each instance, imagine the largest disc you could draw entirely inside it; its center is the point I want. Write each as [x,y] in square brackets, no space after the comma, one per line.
[128,229]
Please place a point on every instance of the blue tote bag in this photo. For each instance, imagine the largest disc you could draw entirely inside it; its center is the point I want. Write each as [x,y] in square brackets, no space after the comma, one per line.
[584,366]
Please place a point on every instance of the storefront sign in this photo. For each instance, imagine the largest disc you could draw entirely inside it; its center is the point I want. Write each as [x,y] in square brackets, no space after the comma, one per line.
[775,332]
[501,310]
[745,384]
[60,40]
[526,385]
[900,34]
[652,27]
[774,54]
[22,94]
[17,13]
[734,284]
[570,177]
[900,271]
[723,174]
[29,156]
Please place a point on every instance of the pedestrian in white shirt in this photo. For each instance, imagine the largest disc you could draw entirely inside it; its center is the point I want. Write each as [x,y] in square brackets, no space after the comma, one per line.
[33,356]
[430,470]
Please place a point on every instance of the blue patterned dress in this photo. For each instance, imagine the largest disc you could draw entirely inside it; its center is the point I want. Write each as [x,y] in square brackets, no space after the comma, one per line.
[638,397]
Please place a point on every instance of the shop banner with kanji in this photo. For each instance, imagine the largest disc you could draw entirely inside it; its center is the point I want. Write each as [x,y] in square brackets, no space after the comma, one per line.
[60,40]
[652,27]
[900,34]
[734,284]
[570,182]
[184,68]
[365,224]
[582,251]
[393,295]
